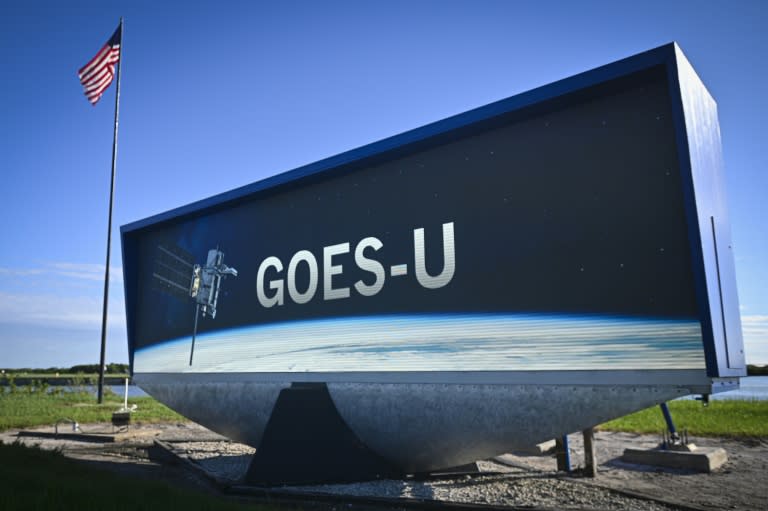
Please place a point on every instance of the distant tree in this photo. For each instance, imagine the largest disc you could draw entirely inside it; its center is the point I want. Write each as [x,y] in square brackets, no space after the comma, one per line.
[84,368]
[113,368]
[117,368]
[94,368]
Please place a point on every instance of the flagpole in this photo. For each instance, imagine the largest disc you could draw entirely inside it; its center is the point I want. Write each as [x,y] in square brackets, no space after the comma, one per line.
[109,226]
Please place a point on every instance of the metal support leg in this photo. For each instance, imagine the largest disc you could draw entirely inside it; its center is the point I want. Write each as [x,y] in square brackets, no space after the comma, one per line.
[674,438]
[563,454]
[590,459]
[668,418]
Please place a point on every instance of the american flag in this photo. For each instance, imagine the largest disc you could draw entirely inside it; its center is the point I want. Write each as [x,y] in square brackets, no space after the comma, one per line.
[99,72]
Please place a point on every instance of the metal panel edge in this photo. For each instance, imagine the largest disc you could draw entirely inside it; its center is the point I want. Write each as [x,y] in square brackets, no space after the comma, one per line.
[129,291]
[701,164]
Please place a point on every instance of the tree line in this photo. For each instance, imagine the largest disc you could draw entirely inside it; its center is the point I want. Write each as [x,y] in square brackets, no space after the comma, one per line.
[76,369]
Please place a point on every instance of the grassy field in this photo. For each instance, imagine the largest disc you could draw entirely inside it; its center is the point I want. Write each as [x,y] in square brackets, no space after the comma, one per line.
[724,418]
[35,406]
[34,479]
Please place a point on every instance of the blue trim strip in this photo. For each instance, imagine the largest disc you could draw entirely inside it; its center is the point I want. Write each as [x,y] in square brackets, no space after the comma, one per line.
[130,292]
[691,213]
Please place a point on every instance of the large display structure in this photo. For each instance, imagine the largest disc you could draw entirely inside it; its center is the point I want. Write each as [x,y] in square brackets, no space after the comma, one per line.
[520,271]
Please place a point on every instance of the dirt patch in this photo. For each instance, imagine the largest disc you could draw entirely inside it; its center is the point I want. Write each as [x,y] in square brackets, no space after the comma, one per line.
[739,484]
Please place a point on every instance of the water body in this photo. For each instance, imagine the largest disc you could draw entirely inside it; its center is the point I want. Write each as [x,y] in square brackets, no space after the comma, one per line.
[752,387]
[133,390]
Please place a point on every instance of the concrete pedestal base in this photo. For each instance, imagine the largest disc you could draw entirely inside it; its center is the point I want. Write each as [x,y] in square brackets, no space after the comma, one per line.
[700,460]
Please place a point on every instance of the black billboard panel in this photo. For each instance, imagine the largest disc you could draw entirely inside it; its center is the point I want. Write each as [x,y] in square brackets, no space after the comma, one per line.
[554,231]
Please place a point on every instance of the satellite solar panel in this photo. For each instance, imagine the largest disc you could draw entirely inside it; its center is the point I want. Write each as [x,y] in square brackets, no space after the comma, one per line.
[172,273]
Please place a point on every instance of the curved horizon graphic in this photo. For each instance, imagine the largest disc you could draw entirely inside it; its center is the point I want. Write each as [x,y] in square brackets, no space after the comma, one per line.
[437,342]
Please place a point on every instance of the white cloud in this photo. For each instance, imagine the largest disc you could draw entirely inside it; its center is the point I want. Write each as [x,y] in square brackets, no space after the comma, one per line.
[755,330]
[58,310]
[60,295]
[754,319]
[19,272]
[78,271]
[52,312]
[86,271]
[48,346]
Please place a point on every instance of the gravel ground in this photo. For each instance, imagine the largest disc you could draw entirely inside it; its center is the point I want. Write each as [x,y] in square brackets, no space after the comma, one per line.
[503,485]
[521,481]
[516,488]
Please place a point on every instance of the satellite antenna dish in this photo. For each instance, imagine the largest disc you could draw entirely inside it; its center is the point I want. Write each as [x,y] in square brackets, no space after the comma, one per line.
[176,274]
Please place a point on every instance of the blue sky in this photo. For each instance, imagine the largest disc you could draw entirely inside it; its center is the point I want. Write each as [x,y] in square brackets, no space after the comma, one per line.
[216,95]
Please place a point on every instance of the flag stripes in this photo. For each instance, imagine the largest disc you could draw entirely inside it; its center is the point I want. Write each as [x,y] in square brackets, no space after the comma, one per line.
[99,72]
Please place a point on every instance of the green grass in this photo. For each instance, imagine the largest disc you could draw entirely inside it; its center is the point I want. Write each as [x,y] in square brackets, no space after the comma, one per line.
[726,418]
[33,479]
[27,407]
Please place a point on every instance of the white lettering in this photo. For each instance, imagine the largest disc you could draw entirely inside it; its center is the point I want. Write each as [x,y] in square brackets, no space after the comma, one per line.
[329,270]
[370,265]
[272,293]
[449,259]
[307,257]
[275,285]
